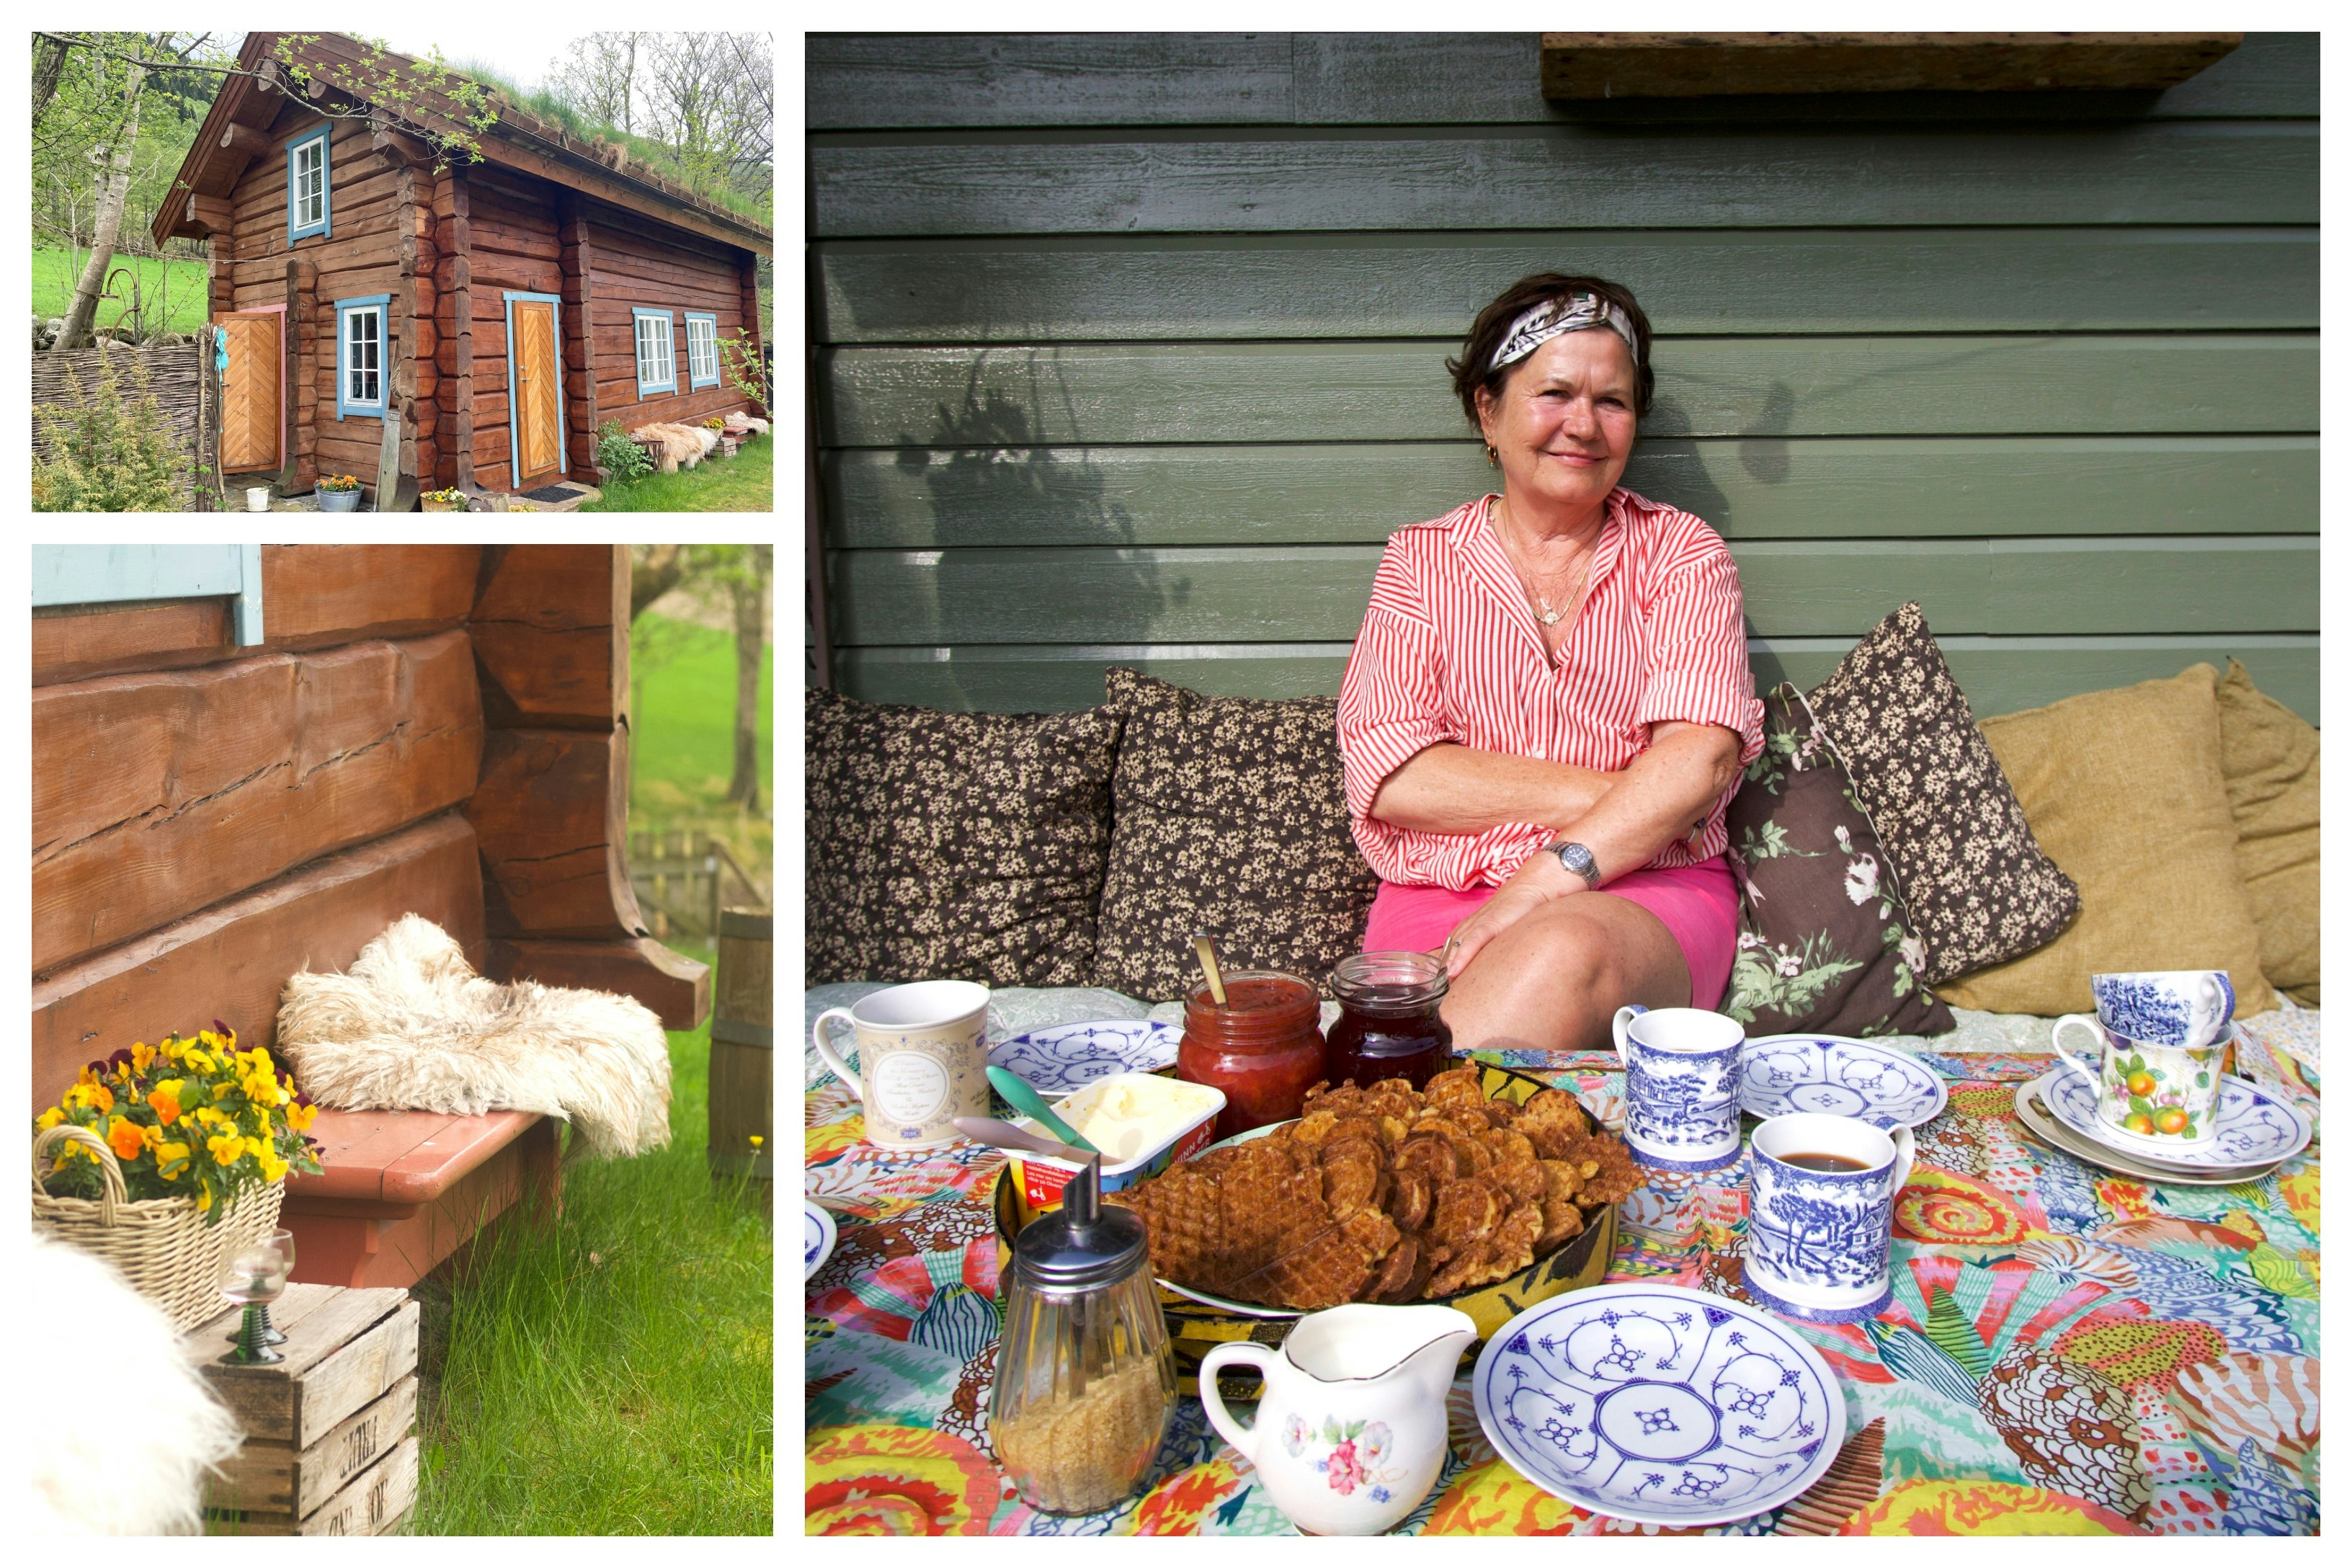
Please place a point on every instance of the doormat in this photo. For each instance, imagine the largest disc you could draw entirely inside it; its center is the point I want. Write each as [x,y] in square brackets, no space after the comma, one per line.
[551,492]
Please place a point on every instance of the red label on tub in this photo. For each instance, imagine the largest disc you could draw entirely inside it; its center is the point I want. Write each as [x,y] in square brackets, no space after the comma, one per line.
[1042,1183]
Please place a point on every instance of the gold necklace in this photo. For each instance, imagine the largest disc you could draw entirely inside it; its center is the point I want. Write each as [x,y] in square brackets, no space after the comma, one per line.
[1543,611]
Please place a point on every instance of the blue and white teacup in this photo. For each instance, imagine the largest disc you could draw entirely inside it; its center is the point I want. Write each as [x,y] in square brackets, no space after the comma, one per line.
[1682,1086]
[1819,1240]
[2177,1009]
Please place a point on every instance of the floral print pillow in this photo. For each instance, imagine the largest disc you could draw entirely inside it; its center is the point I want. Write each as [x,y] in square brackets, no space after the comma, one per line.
[1824,944]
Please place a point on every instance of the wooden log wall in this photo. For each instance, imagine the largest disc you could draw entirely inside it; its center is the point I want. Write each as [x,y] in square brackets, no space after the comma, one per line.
[582,410]
[453,358]
[638,262]
[209,819]
[551,628]
[70,380]
[1163,319]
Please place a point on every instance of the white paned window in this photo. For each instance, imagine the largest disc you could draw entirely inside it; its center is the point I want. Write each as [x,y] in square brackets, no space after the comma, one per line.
[656,353]
[358,356]
[310,183]
[702,349]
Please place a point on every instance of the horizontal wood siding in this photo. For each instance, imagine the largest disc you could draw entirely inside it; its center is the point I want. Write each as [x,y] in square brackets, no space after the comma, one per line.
[1161,319]
[637,265]
[512,225]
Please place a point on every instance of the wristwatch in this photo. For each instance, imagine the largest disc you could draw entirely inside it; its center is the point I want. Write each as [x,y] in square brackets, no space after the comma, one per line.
[1576,857]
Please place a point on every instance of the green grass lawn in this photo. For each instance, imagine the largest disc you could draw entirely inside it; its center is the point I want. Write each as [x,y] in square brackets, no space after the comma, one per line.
[56,271]
[683,748]
[609,1373]
[744,482]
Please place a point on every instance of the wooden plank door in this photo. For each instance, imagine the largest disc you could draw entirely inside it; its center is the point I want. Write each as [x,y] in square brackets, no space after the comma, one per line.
[251,420]
[539,395]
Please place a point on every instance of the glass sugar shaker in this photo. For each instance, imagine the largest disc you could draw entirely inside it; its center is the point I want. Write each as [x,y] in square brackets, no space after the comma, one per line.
[1086,1380]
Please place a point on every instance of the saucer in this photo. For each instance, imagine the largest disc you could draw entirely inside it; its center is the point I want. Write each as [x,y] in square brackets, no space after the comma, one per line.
[2041,1125]
[2253,1127]
[1068,1056]
[1780,1075]
[817,1236]
[1658,1403]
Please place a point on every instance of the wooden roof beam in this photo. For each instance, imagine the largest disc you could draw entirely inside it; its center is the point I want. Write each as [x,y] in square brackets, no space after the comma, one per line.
[238,136]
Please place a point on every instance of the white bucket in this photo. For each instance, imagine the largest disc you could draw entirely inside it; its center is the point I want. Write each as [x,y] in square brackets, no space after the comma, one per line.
[258,498]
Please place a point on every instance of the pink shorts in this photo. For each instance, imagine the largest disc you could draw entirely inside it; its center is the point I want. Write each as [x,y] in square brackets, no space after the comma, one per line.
[1699,904]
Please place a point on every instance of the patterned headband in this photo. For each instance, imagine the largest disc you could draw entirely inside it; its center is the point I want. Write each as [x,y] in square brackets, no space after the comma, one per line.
[1576,314]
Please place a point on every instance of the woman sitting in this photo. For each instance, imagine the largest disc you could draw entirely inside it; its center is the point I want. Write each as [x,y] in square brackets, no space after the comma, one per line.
[1549,703]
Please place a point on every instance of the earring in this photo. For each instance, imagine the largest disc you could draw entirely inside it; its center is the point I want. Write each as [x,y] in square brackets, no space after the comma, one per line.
[1494,458]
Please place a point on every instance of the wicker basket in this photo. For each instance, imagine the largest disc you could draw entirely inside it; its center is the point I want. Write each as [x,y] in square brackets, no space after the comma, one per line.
[161,1244]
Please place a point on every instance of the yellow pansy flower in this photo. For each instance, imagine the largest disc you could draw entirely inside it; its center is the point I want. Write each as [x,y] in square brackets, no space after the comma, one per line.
[227,1148]
[203,1199]
[141,1054]
[49,1117]
[299,1116]
[171,1159]
[273,1169]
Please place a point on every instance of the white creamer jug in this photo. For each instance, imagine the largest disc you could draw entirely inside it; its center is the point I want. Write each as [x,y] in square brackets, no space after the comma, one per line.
[1350,1430]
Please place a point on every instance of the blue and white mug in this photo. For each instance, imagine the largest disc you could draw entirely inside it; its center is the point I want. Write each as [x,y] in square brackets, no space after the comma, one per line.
[2177,1009]
[1819,1240]
[1682,1086]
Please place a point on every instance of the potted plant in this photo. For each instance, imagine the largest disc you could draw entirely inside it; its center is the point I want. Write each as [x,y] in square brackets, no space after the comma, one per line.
[339,493]
[451,500]
[161,1158]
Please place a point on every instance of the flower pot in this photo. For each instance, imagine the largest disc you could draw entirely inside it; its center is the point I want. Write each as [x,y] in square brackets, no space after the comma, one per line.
[339,500]
[257,499]
[441,505]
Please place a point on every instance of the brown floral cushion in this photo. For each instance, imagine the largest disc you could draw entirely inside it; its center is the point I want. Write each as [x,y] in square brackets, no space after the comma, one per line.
[954,846]
[1228,817]
[1823,944]
[1979,888]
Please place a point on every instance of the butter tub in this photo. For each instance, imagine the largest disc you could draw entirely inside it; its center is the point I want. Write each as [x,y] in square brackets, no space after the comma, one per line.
[1040,1178]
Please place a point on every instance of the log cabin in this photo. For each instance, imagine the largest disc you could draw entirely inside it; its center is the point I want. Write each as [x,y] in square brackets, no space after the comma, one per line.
[503,307]
[249,760]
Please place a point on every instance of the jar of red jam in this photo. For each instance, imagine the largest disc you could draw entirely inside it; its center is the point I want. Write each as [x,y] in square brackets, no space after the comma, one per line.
[1387,1025]
[1262,1047]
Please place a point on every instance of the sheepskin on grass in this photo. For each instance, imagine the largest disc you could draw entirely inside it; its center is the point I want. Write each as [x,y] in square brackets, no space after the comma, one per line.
[121,1428]
[411,1027]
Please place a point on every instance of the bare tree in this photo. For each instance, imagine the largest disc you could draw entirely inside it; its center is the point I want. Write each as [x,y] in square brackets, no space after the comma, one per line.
[655,570]
[749,588]
[111,176]
[598,77]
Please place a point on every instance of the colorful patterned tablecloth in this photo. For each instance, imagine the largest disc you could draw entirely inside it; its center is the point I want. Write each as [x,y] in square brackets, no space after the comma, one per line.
[2069,1352]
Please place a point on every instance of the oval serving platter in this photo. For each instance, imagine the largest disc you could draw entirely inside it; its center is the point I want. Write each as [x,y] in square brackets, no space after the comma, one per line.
[1659,1405]
[1063,1057]
[1838,1076]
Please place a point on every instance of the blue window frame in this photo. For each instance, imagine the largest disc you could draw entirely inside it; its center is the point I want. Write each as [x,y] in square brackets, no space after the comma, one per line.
[701,348]
[514,397]
[310,200]
[657,335]
[362,339]
[76,574]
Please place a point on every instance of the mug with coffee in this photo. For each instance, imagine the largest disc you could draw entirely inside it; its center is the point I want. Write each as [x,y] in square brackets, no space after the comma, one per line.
[1682,1086]
[1820,1216]
[922,1060]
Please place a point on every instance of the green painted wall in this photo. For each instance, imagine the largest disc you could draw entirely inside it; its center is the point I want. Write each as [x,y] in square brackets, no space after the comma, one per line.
[1130,350]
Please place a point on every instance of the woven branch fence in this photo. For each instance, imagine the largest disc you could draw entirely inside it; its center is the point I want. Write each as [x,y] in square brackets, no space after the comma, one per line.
[70,380]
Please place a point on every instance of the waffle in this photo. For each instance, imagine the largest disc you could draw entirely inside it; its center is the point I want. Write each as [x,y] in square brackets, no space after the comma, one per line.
[1384,1193]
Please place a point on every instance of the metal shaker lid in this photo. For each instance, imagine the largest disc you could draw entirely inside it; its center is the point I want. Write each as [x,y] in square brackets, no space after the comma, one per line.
[1083,1243]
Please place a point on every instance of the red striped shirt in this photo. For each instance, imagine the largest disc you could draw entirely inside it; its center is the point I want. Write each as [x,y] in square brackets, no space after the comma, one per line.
[1451,651]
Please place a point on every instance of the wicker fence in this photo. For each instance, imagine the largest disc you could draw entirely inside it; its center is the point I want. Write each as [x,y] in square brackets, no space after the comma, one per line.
[70,380]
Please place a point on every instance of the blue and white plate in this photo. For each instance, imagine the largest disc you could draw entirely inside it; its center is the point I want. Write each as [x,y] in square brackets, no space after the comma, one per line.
[817,1236]
[1780,1075]
[1071,1055]
[2254,1127]
[1659,1405]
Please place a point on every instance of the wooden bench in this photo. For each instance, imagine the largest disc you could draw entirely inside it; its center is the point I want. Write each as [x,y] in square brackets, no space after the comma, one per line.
[403,1189]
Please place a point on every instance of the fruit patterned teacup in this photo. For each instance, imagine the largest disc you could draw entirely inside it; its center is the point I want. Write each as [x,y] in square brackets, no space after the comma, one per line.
[2152,1098]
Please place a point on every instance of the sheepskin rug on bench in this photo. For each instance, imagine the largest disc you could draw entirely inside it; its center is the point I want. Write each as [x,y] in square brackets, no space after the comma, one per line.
[411,1027]
[132,1462]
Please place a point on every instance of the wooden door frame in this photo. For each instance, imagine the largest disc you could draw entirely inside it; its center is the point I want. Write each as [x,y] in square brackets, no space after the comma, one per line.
[284,413]
[514,398]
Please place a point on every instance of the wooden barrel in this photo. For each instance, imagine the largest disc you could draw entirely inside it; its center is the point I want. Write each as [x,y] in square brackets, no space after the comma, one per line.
[742,1046]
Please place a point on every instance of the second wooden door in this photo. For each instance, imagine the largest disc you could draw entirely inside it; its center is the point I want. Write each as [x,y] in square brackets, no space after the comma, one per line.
[538,394]
[250,419]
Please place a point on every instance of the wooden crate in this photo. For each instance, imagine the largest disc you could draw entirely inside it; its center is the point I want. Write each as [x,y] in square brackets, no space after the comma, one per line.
[330,1448]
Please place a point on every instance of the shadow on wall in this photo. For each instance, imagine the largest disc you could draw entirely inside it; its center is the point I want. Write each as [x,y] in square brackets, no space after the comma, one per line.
[987,474]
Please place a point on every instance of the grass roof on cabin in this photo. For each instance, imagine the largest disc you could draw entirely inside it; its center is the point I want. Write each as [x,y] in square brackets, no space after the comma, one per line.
[652,154]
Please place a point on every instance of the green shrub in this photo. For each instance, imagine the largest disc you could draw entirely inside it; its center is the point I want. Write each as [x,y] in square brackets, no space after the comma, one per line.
[106,456]
[618,456]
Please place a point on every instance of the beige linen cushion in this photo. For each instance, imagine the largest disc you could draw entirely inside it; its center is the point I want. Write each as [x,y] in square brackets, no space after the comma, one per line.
[2270,763]
[2124,790]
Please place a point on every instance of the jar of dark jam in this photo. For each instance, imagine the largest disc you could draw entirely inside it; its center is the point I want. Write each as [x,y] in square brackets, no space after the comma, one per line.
[1387,1025]
[1262,1048]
